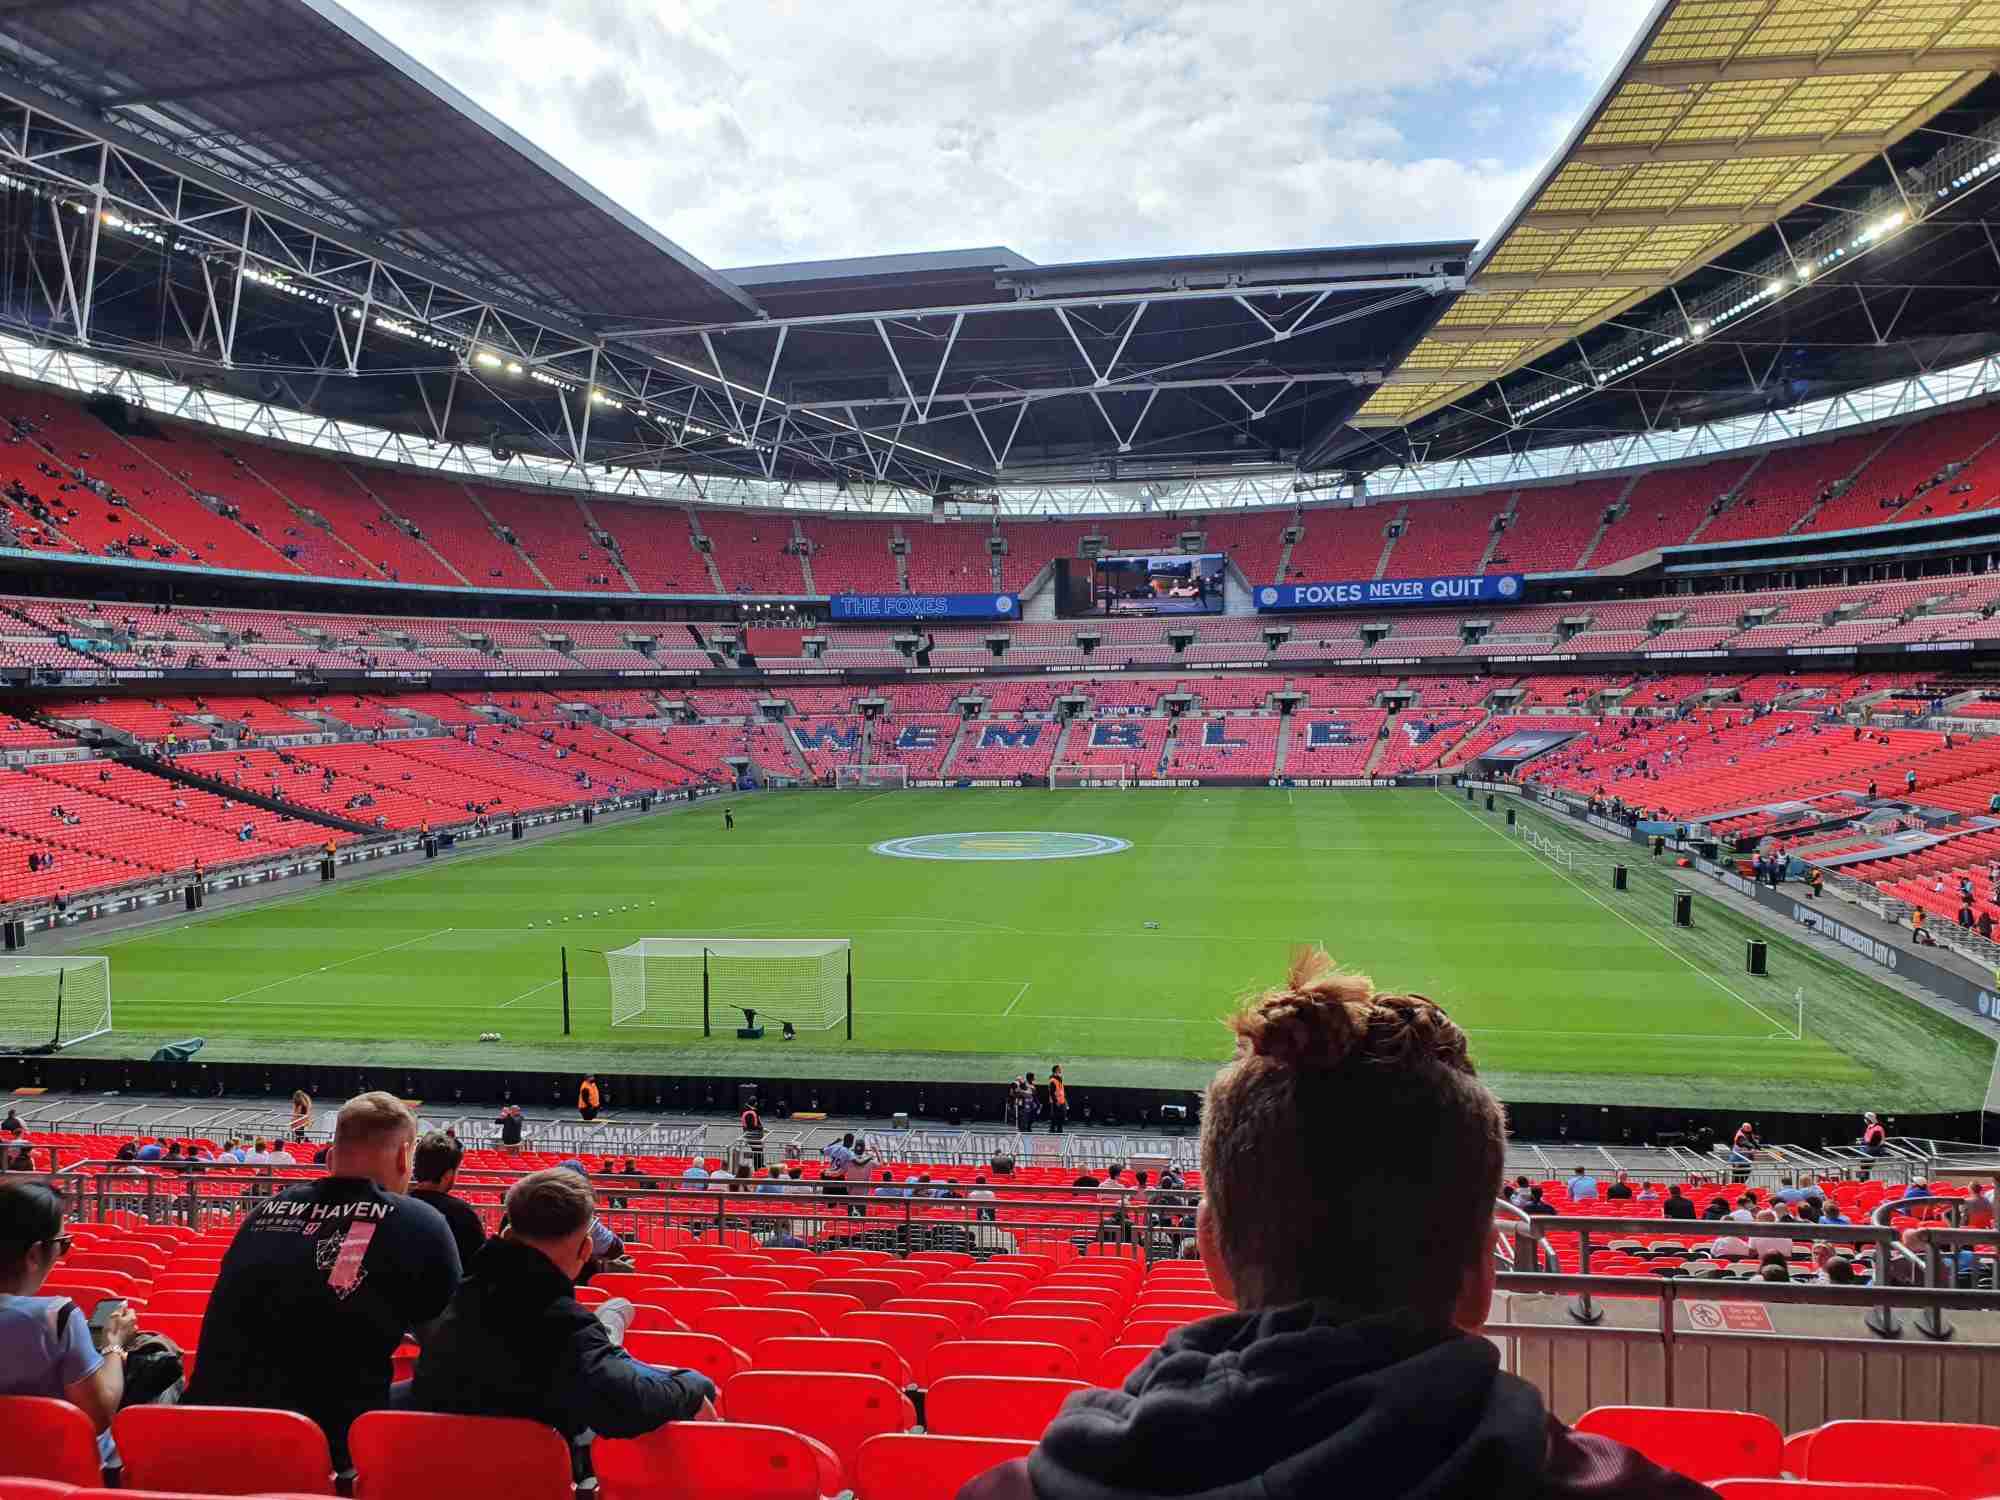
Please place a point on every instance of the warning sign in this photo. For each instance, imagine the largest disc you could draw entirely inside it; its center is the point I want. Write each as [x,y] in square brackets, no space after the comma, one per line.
[1730,1317]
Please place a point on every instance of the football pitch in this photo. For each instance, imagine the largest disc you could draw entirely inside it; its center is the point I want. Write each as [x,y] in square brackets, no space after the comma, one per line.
[1119,965]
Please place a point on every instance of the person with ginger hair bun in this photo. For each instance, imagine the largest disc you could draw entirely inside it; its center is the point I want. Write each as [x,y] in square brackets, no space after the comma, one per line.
[1362,1277]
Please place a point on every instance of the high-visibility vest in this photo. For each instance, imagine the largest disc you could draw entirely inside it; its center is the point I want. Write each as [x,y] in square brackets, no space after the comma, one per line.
[586,1097]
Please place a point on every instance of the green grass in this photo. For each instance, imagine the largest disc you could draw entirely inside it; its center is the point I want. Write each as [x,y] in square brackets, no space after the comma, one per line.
[969,970]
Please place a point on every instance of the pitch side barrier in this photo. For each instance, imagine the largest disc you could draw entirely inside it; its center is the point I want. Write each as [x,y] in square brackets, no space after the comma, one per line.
[1898,958]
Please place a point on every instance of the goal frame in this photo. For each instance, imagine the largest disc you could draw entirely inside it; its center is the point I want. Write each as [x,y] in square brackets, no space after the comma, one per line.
[890,776]
[1075,777]
[710,950]
[67,1002]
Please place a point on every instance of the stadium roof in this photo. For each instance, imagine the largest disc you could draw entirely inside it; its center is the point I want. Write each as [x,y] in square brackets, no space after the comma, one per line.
[300,103]
[1724,117]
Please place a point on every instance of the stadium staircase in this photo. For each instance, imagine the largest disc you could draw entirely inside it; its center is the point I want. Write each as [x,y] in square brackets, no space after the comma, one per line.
[1398,520]
[804,545]
[1493,538]
[515,547]
[1734,491]
[902,560]
[1382,744]
[951,751]
[1284,744]
[166,770]
[708,554]
[617,556]
[1612,512]
[1839,488]
[391,518]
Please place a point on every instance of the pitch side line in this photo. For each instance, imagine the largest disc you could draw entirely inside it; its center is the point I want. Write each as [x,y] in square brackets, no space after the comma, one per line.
[1649,937]
[337,963]
[546,984]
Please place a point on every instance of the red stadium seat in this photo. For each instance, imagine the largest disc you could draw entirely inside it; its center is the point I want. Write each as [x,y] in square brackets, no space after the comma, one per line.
[995,1406]
[842,1411]
[42,1438]
[222,1450]
[1701,1444]
[872,1292]
[962,1316]
[1119,1361]
[634,1284]
[1960,1458]
[716,1461]
[915,1466]
[1088,1339]
[649,1318]
[747,1327]
[1805,1489]
[716,1358]
[912,1335]
[837,1356]
[685,1301]
[405,1455]
[821,1307]
[175,1302]
[989,1357]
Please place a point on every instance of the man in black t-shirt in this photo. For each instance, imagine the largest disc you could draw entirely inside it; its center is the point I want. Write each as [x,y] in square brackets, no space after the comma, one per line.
[434,1175]
[323,1281]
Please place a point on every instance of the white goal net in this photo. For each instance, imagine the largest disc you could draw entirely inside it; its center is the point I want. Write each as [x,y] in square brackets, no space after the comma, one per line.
[705,984]
[1089,776]
[871,778]
[53,1002]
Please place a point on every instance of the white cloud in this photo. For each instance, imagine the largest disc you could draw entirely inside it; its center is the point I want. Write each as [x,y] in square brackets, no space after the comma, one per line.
[1066,129]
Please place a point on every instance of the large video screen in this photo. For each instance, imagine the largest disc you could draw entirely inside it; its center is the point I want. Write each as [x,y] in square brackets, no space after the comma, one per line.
[1171,583]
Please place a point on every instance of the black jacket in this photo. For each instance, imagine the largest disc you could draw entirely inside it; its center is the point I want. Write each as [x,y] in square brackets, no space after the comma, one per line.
[515,1342]
[1290,1402]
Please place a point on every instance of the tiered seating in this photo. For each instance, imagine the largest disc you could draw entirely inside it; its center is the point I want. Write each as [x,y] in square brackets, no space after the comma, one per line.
[829,741]
[1891,486]
[1786,485]
[852,556]
[1237,745]
[1138,744]
[1551,527]
[657,546]
[749,550]
[1333,742]
[384,548]
[550,529]
[1031,545]
[451,523]
[1666,506]
[1421,738]
[950,559]
[918,741]
[1254,540]
[1000,749]
[1443,537]
[1340,544]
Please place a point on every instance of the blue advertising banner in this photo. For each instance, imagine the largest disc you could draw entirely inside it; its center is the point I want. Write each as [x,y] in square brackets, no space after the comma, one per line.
[1496,588]
[925,607]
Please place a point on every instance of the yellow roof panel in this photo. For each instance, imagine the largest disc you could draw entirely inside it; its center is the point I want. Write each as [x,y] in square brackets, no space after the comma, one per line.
[1441,355]
[1540,310]
[1394,402]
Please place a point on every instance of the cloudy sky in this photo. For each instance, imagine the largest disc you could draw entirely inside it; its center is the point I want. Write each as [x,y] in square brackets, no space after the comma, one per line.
[755,131]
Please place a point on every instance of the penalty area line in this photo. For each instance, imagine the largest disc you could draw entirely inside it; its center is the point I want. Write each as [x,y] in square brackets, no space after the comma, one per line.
[1017,999]
[546,984]
[337,963]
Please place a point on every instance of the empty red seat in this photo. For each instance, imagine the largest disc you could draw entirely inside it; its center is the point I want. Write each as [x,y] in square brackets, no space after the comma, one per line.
[917,1466]
[821,1307]
[716,1461]
[1960,1458]
[995,1406]
[1088,1339]
[407,1455]
[912,1335]
[1699,1443]
[997,1357]
[841,1411]
[838,1356]
[222,1450]
[1119,1361]
[42,1438]
[747,1327]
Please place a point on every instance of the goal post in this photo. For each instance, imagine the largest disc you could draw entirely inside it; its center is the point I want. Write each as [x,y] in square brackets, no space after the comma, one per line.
[1089,776]
[47,1004]
[871,778]
[699,984]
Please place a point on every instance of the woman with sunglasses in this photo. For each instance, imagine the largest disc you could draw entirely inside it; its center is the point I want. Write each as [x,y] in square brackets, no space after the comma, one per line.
[45,1343]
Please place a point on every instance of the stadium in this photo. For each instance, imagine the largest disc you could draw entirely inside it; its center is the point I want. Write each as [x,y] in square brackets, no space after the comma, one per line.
[455,644]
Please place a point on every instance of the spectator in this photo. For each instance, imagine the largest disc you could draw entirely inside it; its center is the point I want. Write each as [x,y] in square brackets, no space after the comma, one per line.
[323,1281]
[588,1097]
[1536,1203]
[1355,1361]
[302,1114]
[1840,1272]
[981,1194]
[695,1178]
[1745,1211]
[1678,1205]
[1622,1188]
[510,1122]
[1789,1192]
[1774,1268]
[13,1125]
[609,1250]
[45,1343]
[434,1172]
[1582,1186]
[515,1342]
[1730,1247]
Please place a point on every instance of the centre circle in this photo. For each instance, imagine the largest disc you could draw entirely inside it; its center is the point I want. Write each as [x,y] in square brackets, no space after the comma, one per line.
[1031,845]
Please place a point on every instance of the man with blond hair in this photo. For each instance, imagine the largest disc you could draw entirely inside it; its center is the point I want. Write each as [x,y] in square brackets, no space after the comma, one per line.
[515,1342]
[1354,1364]
[323,1281]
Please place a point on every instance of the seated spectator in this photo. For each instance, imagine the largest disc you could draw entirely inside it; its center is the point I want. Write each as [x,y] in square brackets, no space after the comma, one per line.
[45,1343]
[1678,1205]
[1840,1272]
[1622,1188]
[434,1173]
[1788,1192]
[323,1281]
[1582,1186]
[1537,1204]
[1769,1244]
[1730,1247]
[515,1342]
[1355,1363]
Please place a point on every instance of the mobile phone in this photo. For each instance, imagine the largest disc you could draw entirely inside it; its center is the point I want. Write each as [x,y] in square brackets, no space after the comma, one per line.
[101,1316]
